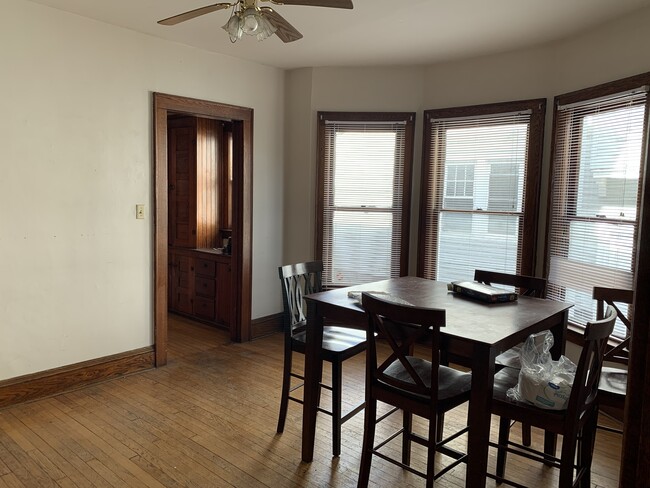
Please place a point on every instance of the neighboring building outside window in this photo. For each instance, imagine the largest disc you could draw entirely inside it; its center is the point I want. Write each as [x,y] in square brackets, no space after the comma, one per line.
[479,189]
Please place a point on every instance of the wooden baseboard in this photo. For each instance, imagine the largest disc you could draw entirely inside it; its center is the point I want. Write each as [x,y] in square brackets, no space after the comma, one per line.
[47,383]
[264,326]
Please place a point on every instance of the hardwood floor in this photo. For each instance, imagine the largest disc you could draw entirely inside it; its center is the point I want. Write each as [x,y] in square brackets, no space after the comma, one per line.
[208,419]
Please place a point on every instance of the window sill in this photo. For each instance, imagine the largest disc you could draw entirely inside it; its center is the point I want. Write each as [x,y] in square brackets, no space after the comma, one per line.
[575,334]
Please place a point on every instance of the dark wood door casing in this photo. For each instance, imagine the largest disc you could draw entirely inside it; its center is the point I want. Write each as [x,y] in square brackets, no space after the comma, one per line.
[242,120]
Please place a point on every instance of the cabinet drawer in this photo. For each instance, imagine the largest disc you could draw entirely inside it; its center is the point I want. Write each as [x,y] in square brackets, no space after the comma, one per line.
[204,308]
[205,267]
[204,287]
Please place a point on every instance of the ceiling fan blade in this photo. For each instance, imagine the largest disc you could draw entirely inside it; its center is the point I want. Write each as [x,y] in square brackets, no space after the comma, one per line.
[316,3]
[285,30]
[177,19]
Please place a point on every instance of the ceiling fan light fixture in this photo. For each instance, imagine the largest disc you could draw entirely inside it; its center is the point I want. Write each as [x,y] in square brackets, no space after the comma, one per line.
[250,21]
[233,27]
[264,28]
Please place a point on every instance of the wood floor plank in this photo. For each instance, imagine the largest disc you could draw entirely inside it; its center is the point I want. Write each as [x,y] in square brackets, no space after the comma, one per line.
[208,419]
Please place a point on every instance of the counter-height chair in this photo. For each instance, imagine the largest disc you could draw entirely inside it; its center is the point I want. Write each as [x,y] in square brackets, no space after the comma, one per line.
[415,385]
[576,424]
[529,286]
[339,344]
[613,380]
[524,285]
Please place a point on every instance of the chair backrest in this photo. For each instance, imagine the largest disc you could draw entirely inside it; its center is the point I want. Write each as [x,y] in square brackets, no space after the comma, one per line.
[298,280]
[527,285]
[401,326]
[614,297]
[585,384]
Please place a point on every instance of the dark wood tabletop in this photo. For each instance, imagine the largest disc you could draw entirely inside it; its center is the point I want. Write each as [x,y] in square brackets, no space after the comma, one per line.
[475,330]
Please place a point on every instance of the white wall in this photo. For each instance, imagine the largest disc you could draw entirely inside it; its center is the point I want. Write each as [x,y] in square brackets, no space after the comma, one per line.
[76,265]
[336,89]
[612,51]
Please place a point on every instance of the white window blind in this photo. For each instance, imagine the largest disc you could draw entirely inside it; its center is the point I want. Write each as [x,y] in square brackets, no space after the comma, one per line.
[595,199]
[475,194]
[363,200]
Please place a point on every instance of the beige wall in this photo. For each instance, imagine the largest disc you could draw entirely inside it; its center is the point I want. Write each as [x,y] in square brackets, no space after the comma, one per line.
[614,50]
[76,265]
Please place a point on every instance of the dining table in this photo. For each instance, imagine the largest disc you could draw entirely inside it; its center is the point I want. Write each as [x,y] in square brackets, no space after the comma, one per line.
[474,330]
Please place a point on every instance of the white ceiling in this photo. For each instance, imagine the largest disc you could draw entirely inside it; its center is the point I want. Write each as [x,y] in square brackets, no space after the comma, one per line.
[375,32]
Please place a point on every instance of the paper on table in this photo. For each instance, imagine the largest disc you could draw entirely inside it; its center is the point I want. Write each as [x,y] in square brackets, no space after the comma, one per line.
[356,295]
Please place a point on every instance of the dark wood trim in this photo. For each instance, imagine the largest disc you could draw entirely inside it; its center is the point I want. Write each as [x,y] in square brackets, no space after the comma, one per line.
[242,119]
[635,469]
[264,326]
[54,381]
[409,138]
[537,107]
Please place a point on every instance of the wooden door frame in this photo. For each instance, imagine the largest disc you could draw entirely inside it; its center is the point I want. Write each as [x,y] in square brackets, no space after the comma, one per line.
[242,210]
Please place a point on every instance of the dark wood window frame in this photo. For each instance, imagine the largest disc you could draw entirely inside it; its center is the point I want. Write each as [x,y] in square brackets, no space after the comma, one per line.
[533,173]
[593,93]
[408,118]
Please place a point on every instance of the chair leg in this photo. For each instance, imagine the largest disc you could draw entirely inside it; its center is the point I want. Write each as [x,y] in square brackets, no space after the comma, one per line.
[286,384]
[586,450]
[407,424]
[337,380]
[526,438]
[440,428]
[504,436]
[370,416]
[550,446]
[567,460]
[431,450]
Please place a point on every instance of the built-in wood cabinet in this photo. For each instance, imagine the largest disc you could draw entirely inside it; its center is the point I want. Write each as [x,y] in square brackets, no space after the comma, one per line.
[199,285]
[199,194]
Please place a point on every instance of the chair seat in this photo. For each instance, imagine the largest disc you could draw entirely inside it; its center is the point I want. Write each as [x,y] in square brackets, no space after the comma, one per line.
[508,378]
[510,358]
[451,382]
[613,381]
[336,340]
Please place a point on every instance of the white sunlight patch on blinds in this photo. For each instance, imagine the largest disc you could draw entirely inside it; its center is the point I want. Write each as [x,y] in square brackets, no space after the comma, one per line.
[363,201]
[479,173]
[594,199]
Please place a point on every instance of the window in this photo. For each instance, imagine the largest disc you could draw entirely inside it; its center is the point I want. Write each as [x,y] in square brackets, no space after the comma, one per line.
[364,183]
[480,184]
[594,206]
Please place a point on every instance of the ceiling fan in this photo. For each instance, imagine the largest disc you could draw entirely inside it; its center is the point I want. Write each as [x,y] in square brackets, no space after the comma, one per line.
[248,18]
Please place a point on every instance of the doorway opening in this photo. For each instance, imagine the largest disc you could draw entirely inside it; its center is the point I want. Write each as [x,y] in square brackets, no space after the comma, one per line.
[241,121]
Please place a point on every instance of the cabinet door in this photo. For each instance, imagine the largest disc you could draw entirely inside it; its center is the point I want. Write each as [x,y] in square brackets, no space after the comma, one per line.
[224,293]
[182,186]
[182,284]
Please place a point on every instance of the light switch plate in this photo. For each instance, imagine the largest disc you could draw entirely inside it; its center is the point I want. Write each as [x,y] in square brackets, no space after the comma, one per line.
[139,211]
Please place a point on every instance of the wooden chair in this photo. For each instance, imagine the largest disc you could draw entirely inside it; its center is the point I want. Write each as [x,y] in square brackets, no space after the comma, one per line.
[416,386]
[613,381]
[339,344]
[576,424]
[526,286]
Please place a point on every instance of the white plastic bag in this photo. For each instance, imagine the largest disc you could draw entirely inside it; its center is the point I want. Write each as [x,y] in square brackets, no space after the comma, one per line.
[542,381]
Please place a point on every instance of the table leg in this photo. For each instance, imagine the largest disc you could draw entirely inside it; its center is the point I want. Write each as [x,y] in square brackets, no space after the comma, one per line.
[559,342]
[479,418]
[313,371]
